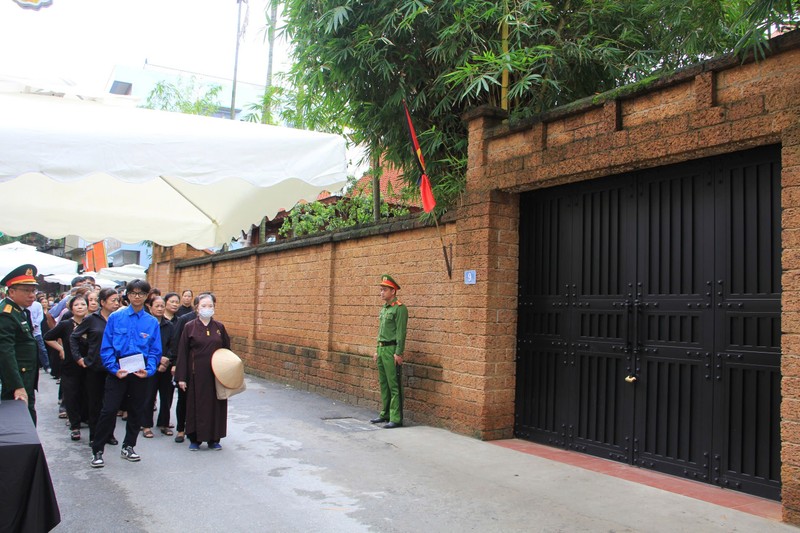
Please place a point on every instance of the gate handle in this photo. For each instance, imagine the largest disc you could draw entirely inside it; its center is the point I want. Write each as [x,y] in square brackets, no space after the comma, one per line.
[630,379]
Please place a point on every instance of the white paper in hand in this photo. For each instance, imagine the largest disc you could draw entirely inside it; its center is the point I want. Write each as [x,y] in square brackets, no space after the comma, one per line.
[132,363]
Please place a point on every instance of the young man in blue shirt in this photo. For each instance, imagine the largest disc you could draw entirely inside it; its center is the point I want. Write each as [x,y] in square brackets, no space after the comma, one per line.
[130,331]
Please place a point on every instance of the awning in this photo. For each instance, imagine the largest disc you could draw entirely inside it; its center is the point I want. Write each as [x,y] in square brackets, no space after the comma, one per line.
[71,166]
[15,254]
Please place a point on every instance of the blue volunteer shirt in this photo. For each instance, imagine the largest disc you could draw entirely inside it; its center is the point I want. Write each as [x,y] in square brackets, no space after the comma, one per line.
[127,333]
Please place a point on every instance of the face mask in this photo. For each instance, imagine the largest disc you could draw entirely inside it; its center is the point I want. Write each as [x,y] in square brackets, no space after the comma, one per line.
[205,312]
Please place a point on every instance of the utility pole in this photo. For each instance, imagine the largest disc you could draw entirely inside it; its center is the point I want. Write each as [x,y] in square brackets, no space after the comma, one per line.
[236,59]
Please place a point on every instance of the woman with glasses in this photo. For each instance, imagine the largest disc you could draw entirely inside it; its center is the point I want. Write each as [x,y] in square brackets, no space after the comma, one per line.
[206,416]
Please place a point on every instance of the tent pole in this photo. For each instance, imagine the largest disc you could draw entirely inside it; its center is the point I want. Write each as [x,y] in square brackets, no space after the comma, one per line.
[209,217]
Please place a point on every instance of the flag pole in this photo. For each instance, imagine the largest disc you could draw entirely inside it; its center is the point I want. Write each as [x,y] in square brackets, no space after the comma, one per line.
[425,189]
[444,249]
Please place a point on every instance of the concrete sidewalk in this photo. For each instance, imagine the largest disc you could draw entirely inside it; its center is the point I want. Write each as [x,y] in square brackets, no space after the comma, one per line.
[296,461]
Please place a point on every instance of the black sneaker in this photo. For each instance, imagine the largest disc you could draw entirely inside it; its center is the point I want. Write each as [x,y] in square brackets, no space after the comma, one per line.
[128,453]
[97,460]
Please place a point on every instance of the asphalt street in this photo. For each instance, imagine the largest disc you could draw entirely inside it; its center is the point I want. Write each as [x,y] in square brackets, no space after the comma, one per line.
[295,461]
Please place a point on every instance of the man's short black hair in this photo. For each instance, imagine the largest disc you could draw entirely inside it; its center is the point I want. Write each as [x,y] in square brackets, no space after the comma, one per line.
[77,281]
[140,284]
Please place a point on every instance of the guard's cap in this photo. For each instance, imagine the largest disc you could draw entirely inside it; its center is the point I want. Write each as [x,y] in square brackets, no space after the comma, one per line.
[22,275]
[388,281]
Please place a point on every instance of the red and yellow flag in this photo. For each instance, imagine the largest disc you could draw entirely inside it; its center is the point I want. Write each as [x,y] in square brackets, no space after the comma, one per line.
[425,191]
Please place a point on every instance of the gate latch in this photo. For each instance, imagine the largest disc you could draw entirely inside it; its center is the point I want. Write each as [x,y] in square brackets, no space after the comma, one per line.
[630,379]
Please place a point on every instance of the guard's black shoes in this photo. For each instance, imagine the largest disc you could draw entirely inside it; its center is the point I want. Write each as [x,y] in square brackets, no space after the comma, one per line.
[392,425]
[378,420]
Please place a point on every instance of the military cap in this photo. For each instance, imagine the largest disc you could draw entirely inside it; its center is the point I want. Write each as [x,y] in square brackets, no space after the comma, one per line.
[388,281]
[22,275]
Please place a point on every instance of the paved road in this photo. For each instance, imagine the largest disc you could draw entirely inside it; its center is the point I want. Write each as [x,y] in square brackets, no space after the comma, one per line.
[294,461]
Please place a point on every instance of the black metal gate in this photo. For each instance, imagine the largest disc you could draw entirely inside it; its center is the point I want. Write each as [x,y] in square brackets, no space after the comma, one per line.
[649,319]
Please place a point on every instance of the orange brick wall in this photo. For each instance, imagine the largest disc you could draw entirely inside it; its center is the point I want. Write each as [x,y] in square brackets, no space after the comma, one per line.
[308,314]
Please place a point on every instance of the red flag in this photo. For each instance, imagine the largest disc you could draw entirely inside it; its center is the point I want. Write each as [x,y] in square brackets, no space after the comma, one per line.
[425,191]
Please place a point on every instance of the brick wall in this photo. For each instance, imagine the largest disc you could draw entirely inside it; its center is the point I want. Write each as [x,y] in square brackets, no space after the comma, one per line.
[307,314]
[305,311]
[790,321]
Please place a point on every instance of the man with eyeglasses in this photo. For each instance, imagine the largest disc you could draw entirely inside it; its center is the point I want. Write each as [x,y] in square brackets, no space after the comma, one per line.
[18,349]
[131,333]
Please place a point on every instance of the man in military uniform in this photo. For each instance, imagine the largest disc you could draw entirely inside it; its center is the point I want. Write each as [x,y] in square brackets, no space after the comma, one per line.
[18,349]
[389,354]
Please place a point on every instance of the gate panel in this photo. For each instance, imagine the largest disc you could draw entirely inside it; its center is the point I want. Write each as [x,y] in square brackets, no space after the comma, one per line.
[747,361]
[543,390]
[603,272]
[674,321]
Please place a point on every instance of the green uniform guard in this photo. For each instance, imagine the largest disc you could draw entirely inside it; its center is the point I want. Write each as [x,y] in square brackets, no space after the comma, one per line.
[389,354]
[18,349]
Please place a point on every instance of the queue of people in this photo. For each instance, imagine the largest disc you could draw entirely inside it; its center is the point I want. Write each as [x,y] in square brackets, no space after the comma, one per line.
[116,352]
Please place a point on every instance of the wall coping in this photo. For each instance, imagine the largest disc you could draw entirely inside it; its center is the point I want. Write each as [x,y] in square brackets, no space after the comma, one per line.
[405,223]
[776,45]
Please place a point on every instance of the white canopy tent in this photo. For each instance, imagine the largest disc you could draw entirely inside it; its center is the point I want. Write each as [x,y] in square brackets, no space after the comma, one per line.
[107,277]
[15,254]
[98,170]
[123,273]
[66,279]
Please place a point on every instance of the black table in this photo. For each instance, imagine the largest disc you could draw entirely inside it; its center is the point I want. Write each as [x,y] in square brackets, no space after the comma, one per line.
[27,500]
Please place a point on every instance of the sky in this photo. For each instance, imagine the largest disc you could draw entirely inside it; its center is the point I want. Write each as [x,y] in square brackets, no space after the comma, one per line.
[80,41]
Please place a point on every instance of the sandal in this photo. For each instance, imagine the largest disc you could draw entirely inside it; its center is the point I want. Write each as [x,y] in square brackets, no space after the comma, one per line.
[75,434]
[166,431]
[179,437]
[147,433]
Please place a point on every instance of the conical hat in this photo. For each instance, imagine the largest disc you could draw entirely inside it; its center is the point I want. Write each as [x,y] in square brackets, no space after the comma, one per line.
[228,368]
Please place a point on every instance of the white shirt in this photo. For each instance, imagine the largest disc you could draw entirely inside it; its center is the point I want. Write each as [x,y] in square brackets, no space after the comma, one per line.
[37,314]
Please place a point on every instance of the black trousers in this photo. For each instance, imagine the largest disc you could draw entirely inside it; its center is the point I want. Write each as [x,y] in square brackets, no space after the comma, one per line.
[73,382]
[54,360]
[159,383]
[135,388]
[95,389]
